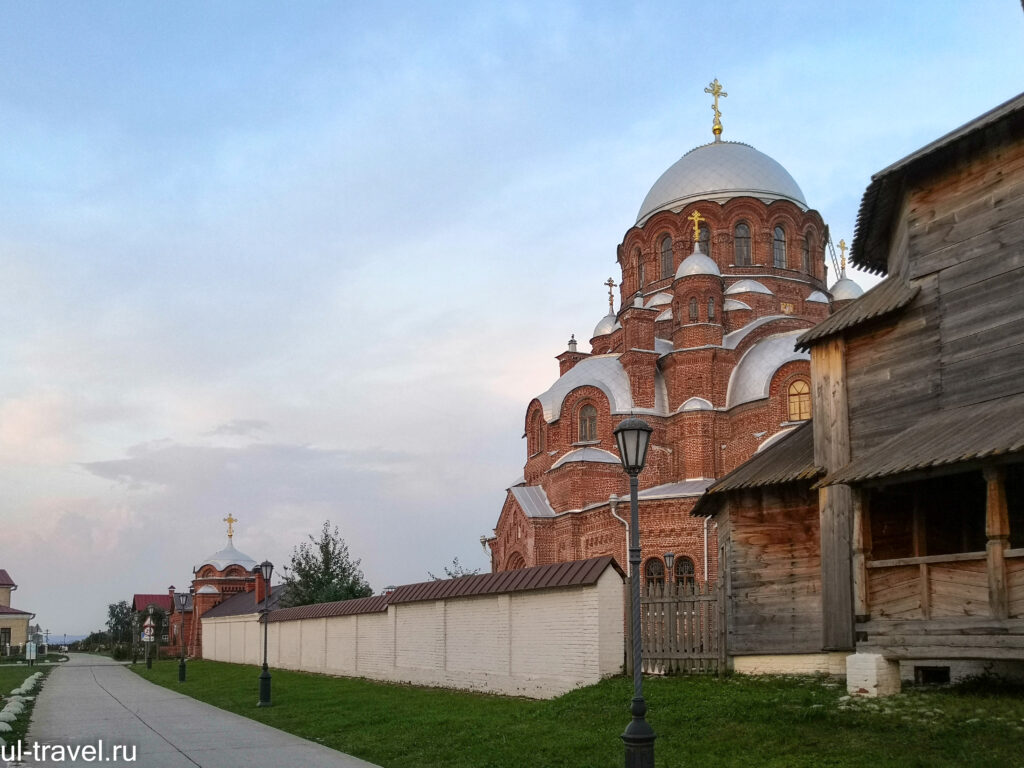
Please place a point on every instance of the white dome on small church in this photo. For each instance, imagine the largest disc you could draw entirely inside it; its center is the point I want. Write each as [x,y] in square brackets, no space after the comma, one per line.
[228,556]
[845,289]
[605,326]
[697,264]
[720,171]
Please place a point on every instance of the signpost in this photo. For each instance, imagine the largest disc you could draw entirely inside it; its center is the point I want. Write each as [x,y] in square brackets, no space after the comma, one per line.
[148,632]
[30,653]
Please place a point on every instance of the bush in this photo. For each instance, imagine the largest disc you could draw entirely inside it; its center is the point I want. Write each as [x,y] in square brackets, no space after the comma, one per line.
[121,652]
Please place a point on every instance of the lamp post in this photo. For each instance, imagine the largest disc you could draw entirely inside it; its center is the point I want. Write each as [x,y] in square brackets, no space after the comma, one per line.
[265,568]
[149,657]
[670,559]
[182,598]
[633,437]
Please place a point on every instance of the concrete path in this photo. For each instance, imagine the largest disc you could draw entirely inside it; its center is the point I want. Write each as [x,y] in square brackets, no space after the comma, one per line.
[92,698]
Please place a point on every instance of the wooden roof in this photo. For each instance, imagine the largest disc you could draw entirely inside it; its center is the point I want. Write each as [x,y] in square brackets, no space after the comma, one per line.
[888,296]
[243,603]
[879,206]
[789,460]
[946,438]
[5,579]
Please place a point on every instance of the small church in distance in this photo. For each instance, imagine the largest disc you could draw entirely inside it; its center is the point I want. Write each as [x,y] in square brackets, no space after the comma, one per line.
[722,271]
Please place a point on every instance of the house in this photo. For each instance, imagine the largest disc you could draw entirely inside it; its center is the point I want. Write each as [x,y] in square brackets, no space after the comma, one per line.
[892,527]
[13,622]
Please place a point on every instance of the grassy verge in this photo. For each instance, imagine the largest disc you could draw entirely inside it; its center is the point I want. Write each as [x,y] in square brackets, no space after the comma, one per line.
[738,721]
[10,678]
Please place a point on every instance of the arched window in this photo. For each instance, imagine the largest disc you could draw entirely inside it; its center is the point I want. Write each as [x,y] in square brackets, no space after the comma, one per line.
[705,240]
[639,270]
[805,256]
[666,257]
[588,423]
[799,401]
[741,244]
[779,248]
[654,571]
[711,308]
[533,434]
[515,562]
[693,309]
[685,572]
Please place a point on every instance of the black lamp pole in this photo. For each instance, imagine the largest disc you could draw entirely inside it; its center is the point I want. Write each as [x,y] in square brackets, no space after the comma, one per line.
[633,437]
[149,658]
[265,568]
[182,600]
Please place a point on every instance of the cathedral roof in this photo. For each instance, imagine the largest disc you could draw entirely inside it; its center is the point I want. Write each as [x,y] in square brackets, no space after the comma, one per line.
[606,373]
[818,297]
[720,171]
[747,286]
[605,326]
[228,556]
[844,288]
[752,376]
[697,264]
[589,454]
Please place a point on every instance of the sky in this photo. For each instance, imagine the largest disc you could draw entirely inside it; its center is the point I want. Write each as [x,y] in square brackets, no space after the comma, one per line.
[311,261]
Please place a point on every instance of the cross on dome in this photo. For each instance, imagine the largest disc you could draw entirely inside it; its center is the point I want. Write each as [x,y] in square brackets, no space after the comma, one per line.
[715,89]
[611,301]
[696,218]
[230,521]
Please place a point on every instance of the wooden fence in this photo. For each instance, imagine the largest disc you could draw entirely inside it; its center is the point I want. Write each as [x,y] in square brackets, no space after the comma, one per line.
[682,628]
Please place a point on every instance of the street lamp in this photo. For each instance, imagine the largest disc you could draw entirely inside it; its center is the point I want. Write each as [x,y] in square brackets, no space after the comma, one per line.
[182,599]
[670,559]
[265,568]
[633,437]
[149,658]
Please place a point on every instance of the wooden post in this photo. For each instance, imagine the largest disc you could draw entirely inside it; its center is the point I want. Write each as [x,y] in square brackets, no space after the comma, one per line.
[861,554]
[997,529]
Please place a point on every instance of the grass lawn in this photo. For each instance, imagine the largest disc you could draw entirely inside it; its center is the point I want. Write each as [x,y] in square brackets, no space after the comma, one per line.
[12,676]
[700,721]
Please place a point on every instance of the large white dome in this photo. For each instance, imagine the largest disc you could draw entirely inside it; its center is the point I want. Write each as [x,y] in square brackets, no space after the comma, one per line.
[720,171]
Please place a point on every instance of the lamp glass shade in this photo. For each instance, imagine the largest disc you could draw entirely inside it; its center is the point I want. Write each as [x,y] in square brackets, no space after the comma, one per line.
[670,558]
[633,436]
[266,568]
[182,599]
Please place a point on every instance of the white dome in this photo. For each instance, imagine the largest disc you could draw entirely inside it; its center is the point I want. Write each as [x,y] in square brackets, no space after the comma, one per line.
[660,299]
[747,286]
[844,289]
[604,327]
[720,171]
[752,376]
[697,264]
[818,297]
[696,404]
[228,556]
[731,305]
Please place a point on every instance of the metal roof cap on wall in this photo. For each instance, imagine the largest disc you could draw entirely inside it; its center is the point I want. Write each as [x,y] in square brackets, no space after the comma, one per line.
[360,605]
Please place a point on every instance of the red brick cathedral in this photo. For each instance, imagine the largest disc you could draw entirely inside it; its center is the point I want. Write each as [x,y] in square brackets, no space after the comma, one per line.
[722,270]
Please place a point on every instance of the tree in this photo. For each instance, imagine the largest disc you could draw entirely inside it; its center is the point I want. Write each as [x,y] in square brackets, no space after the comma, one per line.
[455,571]
[119,621]
[322,571]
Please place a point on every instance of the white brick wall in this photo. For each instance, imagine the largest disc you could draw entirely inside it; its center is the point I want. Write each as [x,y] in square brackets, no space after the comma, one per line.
[537,644]
[871,674]
[791,664]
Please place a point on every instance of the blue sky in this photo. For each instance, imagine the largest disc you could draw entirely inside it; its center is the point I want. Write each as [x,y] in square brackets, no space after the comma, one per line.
[312,261]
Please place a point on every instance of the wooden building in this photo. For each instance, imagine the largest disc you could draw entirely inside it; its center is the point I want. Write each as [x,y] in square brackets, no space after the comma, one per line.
[911,476]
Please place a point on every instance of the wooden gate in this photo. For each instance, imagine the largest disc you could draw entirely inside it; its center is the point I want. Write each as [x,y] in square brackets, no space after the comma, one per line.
[682,628]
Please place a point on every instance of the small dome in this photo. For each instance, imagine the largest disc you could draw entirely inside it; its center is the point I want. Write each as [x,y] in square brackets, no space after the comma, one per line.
[747,286]
[660,299]
[587,454]
[731,305]
[697,264]
[228,556]
[844,289]
[617,326]
[720,171]
[818,297]
[604,327]
[207,589]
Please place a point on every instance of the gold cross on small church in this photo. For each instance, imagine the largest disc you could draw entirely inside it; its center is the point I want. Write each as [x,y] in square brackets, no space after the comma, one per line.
[715,89]
[696,218]
[611,301]
[842,258]
[230,521]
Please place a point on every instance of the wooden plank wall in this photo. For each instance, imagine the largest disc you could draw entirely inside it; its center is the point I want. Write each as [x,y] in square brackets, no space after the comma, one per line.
[1015,586]
[774,573]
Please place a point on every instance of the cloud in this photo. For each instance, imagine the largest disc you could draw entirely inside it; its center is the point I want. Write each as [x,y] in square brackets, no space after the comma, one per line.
[241,427]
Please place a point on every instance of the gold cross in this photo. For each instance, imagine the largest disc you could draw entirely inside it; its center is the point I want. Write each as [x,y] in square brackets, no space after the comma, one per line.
[715,89]
[696,218]
[611,304]
[842,257]
[230,521]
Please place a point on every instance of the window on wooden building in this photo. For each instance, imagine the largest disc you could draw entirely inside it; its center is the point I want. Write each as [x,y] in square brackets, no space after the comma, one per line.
[666,257]
[1015,503]
[741,245]
[705,240]
[588,423]
[779,248]
[693,309]
[937,516]
[685,571]
[654,571]
[799,401]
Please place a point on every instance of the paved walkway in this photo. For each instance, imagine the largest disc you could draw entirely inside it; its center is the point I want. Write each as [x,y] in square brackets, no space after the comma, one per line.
[91,698]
